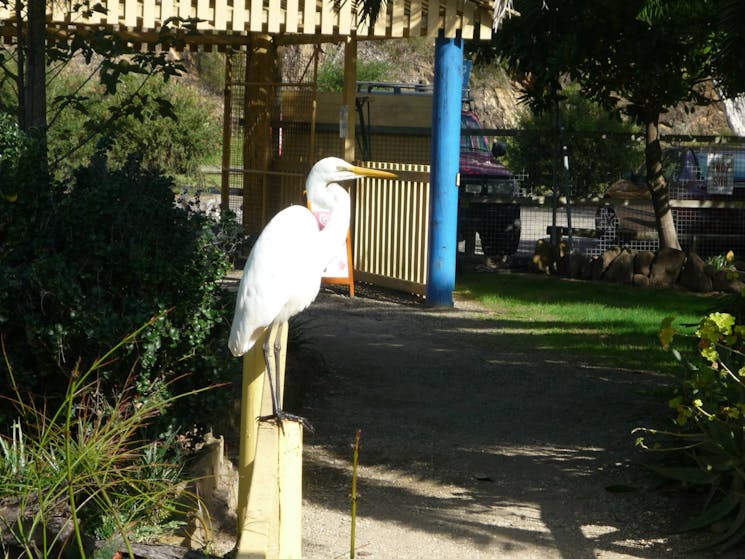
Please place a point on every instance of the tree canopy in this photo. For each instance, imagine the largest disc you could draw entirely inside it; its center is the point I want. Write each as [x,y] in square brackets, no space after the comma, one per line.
[637,58]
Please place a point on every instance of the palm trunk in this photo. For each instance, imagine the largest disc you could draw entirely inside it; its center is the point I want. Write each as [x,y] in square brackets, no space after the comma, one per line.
[658,186]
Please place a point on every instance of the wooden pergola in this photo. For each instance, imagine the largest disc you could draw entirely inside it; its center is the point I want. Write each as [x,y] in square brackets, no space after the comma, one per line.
[223,23]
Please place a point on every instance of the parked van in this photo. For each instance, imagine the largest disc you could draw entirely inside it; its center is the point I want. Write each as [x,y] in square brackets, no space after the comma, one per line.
[707,185]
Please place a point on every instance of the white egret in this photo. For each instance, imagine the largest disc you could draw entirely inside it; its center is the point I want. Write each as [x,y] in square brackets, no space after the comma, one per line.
[283,272]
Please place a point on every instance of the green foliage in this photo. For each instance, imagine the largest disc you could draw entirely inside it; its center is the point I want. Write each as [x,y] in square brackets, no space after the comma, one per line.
[709,407]
[97,258]
[600,146]
[85,464]
[331,74]
[176,136]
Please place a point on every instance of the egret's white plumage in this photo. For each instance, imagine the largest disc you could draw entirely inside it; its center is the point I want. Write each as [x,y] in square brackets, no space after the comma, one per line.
[283,272]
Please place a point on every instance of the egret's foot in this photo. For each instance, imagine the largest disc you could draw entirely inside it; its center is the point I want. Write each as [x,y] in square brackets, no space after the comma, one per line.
[280,416]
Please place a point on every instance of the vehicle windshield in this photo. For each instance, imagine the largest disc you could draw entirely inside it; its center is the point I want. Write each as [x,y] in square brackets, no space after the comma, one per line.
[472,142]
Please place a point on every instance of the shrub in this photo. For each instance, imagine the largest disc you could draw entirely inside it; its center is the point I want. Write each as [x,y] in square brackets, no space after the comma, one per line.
[101,257]
[176,139]
[331,74]
[709,440]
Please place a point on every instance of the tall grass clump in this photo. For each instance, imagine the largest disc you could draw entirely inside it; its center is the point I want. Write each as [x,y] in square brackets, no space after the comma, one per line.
[81,471]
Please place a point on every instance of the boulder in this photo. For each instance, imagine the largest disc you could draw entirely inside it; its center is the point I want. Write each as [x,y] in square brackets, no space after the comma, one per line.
[601,264]
[728,280]
[541,261]
[579,263]
[693,275]
[640,280]
[621,270]
[643,262]
[666,267]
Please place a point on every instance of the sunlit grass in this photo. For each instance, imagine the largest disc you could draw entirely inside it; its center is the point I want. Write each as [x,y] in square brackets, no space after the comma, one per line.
[606,323]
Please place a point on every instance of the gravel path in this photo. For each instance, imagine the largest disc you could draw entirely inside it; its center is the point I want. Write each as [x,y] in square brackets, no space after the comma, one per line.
[476,443]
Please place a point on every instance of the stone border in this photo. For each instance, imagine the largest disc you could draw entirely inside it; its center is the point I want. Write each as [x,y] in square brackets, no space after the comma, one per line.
[664,269]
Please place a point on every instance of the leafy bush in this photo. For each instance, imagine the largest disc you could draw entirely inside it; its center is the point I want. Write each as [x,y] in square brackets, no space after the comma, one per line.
[709,439]
[600,147]
[176,137]
[331,74]
[98,258]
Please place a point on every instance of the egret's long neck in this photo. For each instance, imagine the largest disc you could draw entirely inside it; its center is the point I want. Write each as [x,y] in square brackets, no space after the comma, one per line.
[334,234]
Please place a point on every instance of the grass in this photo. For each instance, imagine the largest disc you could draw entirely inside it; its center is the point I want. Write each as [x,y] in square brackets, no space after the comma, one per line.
[608,324]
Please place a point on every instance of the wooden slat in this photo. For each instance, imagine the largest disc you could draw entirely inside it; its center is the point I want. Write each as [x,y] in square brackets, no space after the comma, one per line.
[112,16]
[327,18]
[130,13]
[203,12]
[382,21]
[363,27]
[398,24]
[166,10]
[240,15]
[309,17]
[485,24]
[184,8]
[292,16]
[148,15]
[433,18]
[221,14]
[275,16]
[415,19]
[345,18]
[468,23]
[256,15]
[451,18]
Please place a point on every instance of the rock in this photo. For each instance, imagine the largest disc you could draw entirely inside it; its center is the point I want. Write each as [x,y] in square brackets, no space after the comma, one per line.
[640,280]
[549,258]
[621,270]
[580,262]
[643,262]
[603,262]
[542,255]
[728,280]
[666,267]
[693,275]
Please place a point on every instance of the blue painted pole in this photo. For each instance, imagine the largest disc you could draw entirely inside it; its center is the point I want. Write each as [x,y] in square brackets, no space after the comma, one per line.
[443,209]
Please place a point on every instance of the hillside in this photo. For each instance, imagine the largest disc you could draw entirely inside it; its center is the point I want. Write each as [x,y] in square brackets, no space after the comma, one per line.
[496,97]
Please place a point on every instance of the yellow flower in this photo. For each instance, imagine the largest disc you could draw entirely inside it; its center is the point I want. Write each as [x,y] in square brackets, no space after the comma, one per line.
[730,256]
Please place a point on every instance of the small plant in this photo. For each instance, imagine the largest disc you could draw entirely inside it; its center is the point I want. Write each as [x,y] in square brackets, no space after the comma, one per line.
[721,261]
[82,471]
[709,440]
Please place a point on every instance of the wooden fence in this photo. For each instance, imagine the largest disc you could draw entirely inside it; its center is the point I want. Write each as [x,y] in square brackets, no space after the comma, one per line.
[390,228]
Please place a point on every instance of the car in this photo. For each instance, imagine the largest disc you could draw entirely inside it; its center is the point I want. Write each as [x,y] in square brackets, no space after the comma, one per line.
[702,180]
[488,194]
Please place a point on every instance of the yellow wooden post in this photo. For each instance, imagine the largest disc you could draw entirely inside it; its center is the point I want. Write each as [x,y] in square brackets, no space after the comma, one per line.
[270,465]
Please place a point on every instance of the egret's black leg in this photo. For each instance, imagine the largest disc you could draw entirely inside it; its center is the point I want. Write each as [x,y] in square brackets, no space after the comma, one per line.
[271,375]
[273,345]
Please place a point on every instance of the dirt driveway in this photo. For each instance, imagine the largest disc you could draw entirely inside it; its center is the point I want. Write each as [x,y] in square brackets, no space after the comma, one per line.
[476,443]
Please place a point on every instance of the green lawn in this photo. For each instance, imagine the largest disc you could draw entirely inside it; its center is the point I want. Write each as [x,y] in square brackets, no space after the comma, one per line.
[605,323]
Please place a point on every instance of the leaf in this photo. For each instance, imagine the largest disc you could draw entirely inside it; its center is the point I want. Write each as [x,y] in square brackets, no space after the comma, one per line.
[685,475]
[667,332]
[712,514]
[735,532]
